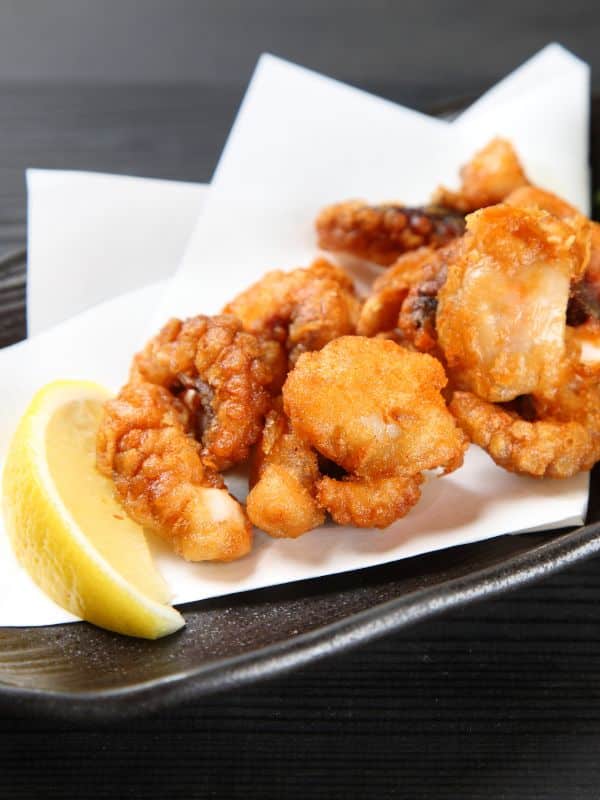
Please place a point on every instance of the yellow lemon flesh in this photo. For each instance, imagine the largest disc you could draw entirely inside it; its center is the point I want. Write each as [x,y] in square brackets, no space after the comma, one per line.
[66,526]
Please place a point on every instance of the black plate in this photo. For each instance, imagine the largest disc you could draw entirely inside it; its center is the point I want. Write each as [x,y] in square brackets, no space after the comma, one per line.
[79,672]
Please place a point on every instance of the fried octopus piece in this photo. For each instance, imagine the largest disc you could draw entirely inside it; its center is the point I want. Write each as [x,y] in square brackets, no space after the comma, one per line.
[381,310]
[415,324]
[382,233]
[584,302]
[374,409]
[285,472]
[221,373]
[501,314]
[533,197]
[562,439]
[592,275]
[145,445]
[488,178]
[300,310]
[403,304]
[369,502]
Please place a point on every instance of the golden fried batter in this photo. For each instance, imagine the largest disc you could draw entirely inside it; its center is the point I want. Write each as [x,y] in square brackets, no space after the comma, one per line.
[533,197]
[550,446]
[301,310]
[584,302]
[403,306]
[285,473]
[373,408]
[488,178]
[383,233]
[502,311]
[593,270]
[145,445]
[221,373]
[369,502]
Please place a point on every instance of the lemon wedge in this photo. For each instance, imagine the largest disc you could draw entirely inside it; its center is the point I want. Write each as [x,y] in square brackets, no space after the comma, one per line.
[65,524]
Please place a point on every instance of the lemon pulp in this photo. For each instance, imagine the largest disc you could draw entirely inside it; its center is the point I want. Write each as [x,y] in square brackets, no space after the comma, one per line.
[89,496]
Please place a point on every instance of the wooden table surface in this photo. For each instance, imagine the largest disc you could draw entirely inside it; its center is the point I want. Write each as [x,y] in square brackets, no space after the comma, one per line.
[498,700]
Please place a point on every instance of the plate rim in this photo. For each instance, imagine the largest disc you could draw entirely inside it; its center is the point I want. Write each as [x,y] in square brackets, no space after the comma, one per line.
[147,697]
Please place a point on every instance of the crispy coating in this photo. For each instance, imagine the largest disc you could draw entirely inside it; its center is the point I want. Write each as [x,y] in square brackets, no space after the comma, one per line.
[554,446]
[221,373]
[369,502]
[373,408]
[404,308]
[488,178]
[144,444]
[533,197]
[501,313]
[584,300]
[592,275]
[300,310]
[285,473]
[381,310]
[382,233]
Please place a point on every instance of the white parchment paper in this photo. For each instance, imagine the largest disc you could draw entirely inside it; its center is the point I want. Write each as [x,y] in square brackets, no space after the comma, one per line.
[300,141]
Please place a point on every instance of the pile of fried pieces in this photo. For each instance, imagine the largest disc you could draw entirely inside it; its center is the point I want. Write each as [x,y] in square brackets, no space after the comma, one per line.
[481,328]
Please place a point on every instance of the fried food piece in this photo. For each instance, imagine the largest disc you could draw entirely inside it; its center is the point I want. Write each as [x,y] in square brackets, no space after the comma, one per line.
[533,197]
[381,310]
[144,444]
[501,313]
[488,178]
[553,446]
[584,303]
[404,308]
[383,233]
[285,473]
[592,275]
[300,310]
[375,410]
[221,373]
[369,502]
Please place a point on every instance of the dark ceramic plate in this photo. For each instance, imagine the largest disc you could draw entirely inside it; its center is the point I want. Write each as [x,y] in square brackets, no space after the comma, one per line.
[79,672]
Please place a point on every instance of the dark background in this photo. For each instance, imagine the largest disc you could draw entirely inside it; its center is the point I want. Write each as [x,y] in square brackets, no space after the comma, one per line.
[151,87]
[499,700]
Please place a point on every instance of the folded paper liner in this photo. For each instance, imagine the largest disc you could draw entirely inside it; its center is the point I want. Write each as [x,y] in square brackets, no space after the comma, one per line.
[300,141]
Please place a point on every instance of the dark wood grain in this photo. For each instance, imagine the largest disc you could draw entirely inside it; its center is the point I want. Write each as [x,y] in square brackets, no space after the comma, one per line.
[12,298]
[500,700]
[495,701]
